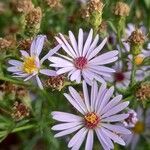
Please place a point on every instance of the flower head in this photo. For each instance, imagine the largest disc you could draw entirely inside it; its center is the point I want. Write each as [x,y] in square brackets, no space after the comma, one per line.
[83,60]
[31,64]
[98,113]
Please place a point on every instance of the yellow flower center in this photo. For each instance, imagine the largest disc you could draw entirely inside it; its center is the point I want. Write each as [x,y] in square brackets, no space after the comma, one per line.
[91,120]
[139,127]
[29,65]
[138,60]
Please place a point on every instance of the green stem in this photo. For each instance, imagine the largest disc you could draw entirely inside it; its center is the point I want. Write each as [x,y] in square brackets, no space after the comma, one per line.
[133,72]
[23,128]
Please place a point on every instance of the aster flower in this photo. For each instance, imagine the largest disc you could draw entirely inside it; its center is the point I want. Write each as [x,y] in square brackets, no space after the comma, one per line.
[31,64]
[98,113]
[141,127]
[83,60]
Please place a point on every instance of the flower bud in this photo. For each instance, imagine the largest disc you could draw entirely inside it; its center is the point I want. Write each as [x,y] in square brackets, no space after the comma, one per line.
[121,9]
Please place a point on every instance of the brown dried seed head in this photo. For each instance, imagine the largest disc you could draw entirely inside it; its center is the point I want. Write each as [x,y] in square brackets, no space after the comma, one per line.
[103,27]
[143,93]
[34,17]
[4,43]
[21,92]
[19,111]
[24,6]
[54,4]
[137,37]
[55,82]
[25,44]
[121,9]
[95,5]
[2,8]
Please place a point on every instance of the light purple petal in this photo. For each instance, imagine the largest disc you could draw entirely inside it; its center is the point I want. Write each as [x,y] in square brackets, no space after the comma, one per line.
[64,126]
[116,109]
[104,58]
[48,72]
[50,53]
[68,131]
[89,141]
[115,118]
[74,103]
[87,43]
[80,141]
[64,70]
[24,53]
[75,75]
[97,49]
[80,41]
[76,137]
[116,128]
[39,82]
[74,43]
[13,69]
[65,117]
[77,98]
[114,137]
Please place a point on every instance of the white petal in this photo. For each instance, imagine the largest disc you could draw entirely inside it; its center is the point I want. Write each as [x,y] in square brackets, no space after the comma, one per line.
[39,82]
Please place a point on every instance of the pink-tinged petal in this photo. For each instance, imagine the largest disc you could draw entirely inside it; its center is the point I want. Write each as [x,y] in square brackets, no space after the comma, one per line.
[74,43]
[68,131]
[116,128]
[100,95]
[102,140]
[104,58]
[64,70]
[37,45]
[60,62]
[80,141]
[77,98]
[50,53]
[48,72]
[80,41]
[87,43]
[89,141]
[115,109]
[64,126]
[86,96]
[114,137]
[106,98]
[39,82]
[93,45]
[76,137]
[74,103]
[66,117]
[13,69]
[94,92]
[24,53]
[65,48]
[115,118]
[75,75]
[112,103]
[97,49]
[105,138]
[68,45]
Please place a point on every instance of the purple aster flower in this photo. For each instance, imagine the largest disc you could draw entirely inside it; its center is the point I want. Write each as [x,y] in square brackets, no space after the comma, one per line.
[31,64]
[83,60]
[141,127]
[99,113]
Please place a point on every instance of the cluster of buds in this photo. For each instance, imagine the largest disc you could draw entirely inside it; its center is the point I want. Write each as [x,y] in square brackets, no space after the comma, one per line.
[143,92]
[22,6]
[19,111]
[136,40]
[54,4]
[5,44]
[121,9]
[93,12]
[56,82]
[33,21]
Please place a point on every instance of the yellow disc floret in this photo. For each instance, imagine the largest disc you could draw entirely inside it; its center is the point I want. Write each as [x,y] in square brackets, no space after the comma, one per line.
[29,65]
[138,59]
[139,127]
